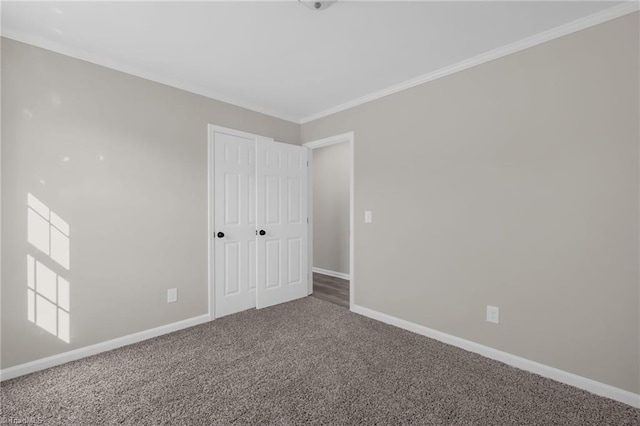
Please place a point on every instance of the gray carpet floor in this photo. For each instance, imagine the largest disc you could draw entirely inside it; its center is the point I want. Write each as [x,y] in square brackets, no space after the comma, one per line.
[306,361]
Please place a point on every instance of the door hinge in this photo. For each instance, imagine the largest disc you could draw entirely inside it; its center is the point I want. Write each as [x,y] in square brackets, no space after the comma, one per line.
[307,220]
[307,164]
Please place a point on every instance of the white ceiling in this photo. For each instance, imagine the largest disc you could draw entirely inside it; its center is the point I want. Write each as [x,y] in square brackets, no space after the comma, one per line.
[280,57]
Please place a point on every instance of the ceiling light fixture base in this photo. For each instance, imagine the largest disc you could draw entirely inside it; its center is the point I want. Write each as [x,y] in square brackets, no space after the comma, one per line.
[317,4]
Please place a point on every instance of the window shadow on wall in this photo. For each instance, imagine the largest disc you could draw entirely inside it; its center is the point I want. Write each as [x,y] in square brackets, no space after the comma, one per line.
[48,292]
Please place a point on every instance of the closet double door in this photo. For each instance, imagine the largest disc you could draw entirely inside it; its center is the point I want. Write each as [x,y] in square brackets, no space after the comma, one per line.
[260,225]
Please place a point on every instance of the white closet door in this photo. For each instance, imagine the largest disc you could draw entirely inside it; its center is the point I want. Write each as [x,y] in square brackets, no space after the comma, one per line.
[234,224]
[282,223]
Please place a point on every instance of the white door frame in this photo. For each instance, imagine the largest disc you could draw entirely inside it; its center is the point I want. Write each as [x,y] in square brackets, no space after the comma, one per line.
[211,131]
[332,140]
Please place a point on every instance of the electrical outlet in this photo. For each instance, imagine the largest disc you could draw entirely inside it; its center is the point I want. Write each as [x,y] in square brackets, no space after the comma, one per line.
[368,216]
[172,295]
[493,314]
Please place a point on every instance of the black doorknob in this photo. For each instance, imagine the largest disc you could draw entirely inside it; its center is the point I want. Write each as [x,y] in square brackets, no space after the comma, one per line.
[262,232]
[220,234]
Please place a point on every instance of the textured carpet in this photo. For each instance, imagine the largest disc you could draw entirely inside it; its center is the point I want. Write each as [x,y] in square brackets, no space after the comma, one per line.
[306,361]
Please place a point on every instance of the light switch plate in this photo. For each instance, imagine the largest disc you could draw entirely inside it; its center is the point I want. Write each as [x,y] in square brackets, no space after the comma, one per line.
[172,295]
[368,216]
[493,314]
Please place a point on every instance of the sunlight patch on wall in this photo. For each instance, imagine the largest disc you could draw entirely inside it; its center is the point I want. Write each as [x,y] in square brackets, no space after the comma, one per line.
[48,293]
[38,231]
[47,232]
[48,299]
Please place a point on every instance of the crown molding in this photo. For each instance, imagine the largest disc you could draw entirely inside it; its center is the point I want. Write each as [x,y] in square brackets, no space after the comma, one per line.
[137,72]
[543,37]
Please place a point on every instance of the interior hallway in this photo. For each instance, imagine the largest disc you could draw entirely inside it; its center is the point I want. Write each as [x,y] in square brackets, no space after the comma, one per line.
[331,289]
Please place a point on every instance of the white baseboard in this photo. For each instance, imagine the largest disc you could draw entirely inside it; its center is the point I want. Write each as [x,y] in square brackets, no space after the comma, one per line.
[331,273]
[52,361]
[584,383]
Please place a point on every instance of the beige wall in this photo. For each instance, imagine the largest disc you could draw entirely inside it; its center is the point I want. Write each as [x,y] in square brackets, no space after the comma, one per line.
[331,186]
[515,184]
[138,217]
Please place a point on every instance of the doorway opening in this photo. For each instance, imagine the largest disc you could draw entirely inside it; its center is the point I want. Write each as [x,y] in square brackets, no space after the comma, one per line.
[331,224]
